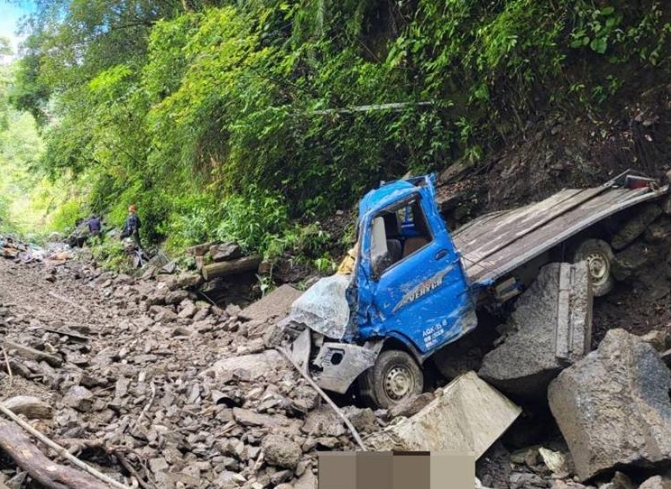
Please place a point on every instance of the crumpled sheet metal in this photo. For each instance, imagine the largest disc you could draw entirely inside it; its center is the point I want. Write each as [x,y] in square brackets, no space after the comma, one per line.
[324,307]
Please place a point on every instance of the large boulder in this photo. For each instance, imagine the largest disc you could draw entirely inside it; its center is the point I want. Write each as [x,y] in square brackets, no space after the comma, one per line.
[613,407]
[550,329]
[635,226]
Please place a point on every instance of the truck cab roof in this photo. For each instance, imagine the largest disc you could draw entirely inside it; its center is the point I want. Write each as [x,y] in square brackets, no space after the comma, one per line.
[391,192]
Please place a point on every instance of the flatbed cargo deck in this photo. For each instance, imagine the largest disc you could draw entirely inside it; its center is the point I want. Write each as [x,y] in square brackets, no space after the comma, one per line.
[496,244]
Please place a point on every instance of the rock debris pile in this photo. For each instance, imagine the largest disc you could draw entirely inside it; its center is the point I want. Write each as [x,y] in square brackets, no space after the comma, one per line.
[147,382]
[185,392]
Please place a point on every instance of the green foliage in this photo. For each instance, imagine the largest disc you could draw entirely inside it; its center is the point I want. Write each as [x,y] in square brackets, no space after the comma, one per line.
[245,120]
[111,255]
[64,219]
[254,222]
[258,221]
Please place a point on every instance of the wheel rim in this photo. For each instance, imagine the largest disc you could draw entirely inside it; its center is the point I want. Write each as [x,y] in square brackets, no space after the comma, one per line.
[599,268]
[398,383]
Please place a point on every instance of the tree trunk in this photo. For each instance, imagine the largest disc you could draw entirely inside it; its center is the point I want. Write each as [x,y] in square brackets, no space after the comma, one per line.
[18,446]
[222,269]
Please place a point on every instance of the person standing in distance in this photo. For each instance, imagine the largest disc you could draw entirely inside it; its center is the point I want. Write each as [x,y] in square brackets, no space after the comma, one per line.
[131,227]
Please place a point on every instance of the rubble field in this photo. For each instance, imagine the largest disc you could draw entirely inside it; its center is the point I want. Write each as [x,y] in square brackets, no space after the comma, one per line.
[156,388]
[137,370]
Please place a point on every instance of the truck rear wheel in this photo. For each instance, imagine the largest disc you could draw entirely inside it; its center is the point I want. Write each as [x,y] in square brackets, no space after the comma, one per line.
[599,257]
[394,378]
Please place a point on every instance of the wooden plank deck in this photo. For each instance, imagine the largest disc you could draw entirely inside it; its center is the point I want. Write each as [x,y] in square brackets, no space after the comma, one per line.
[498,243]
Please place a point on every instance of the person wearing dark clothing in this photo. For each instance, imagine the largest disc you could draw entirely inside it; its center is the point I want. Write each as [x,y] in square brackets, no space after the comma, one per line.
[132,226]
[95,228]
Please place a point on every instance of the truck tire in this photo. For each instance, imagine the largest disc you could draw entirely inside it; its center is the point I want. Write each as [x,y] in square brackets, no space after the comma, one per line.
[599,257]
[394,378]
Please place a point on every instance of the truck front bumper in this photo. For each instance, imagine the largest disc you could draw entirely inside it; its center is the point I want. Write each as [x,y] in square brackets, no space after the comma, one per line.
[336,365]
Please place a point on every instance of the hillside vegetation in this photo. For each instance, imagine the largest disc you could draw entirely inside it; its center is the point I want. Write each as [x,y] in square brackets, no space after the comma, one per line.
[249,120]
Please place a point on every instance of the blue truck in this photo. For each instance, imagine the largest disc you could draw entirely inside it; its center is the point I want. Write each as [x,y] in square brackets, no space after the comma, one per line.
[416,287]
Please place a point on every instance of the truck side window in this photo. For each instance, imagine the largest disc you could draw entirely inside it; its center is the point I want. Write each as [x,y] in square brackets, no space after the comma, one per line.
[420,235]
[397,234]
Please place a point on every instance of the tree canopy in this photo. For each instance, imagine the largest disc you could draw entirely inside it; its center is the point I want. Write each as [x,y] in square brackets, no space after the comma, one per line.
[229,119]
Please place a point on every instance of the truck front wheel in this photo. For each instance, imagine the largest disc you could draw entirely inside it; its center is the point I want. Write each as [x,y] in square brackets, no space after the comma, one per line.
[599,257]
[394,378]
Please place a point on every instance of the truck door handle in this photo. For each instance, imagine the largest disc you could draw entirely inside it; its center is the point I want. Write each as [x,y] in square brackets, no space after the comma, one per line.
[441,254]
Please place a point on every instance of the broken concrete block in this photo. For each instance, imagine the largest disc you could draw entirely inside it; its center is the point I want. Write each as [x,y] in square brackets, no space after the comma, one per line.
[257,365]
[613,406]
[466,417]
[635,226]
[551,328]
[275,305]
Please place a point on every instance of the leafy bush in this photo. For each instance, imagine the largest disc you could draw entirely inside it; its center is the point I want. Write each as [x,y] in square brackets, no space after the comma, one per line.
[64,218]
[111,255]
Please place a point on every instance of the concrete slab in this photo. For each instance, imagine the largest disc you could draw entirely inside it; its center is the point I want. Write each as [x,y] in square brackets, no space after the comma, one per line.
[277,304]
[466,418]
[550,329]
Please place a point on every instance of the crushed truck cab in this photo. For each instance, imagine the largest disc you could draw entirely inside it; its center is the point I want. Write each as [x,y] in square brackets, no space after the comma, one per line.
[408,288]
[414,287]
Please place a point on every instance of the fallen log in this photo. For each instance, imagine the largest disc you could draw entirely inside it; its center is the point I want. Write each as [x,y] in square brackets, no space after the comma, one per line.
[33,354]
[18,446]
[222,269]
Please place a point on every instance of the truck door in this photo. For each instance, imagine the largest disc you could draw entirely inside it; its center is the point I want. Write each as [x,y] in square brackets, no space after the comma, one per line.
[419,291]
